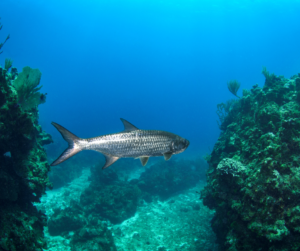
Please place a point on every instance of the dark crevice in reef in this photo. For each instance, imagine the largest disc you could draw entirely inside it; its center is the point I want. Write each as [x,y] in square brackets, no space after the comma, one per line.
[254,169]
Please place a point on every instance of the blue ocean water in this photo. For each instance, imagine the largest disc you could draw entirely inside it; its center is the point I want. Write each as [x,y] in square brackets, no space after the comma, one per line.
[159,64]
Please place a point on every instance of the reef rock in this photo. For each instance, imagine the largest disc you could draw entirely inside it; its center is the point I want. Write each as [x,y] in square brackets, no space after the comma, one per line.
[9,187]
[164,179]
[254,169]
[116,202]
[69,219]
[94,236]
[23,165]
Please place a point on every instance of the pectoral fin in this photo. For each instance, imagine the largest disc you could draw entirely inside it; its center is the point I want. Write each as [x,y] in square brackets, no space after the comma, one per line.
[167,155]
[109,160]
[144,160]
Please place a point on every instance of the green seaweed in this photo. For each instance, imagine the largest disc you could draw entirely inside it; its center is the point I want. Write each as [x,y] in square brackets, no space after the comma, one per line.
[8,64]
[233,87]
[27,88]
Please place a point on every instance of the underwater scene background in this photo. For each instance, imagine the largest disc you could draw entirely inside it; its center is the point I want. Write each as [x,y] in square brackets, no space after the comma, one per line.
[222,74]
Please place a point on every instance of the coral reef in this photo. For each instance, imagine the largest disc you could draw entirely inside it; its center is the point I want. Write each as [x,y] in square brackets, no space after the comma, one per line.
[114,202]
[223,109]
[164,179]
[254,174]
[68,219]
[88,233]
[77,230]
[109,197]
[66,172]
[94,236]
[23,170]
[94,206]
[171,224]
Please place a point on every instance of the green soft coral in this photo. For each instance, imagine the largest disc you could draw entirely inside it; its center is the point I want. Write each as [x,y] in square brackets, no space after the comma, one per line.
[233,87]
[23,174]
[27,88]
[273,232]
[253,181]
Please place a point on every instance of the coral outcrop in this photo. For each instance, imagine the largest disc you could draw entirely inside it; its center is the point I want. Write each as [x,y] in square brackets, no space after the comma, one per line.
[172,224]
[68,219]
[88,231]
[70,227]
[254,169]
[94,236]
[23,169]
[110,197]
[166,178]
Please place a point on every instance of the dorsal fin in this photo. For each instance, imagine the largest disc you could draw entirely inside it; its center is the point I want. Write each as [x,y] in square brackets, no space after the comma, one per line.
[128,126]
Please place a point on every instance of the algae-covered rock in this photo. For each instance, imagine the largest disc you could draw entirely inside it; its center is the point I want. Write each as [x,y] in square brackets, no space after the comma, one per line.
[23,170]
[94,236]
[109,197]
[9,188]
[69,219]
[164,179]
[254,170]
[116,202]
[20,228]
[100,177]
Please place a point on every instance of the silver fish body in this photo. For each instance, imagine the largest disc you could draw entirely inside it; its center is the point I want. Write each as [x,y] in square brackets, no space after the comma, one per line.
[131,143]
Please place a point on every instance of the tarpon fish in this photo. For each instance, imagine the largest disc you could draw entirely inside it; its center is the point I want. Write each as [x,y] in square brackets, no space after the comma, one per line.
[130,143]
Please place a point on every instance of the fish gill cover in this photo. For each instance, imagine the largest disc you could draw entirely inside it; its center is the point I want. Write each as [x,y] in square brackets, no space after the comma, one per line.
[254,174]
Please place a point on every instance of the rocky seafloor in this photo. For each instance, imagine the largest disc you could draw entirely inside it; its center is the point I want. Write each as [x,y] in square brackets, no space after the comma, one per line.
[176,222]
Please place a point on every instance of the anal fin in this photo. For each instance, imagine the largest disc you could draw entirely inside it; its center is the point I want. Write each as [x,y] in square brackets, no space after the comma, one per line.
[167,155]
[144,160]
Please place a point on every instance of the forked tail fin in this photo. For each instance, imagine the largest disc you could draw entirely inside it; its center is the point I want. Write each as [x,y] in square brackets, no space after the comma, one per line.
[72,141]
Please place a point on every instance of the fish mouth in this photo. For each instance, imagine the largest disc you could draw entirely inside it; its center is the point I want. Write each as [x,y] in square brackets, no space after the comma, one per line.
[186,143]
